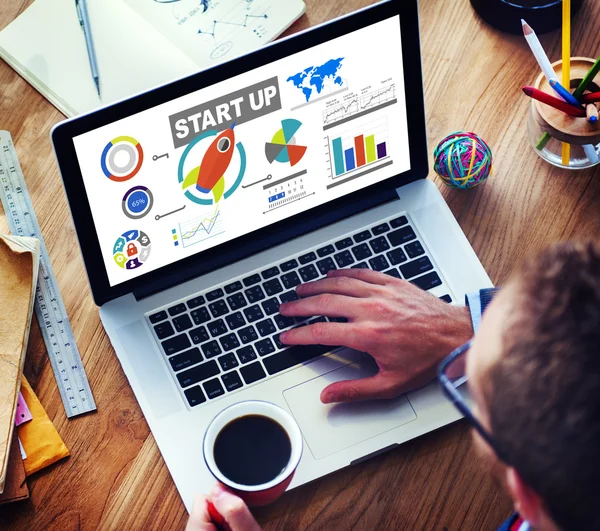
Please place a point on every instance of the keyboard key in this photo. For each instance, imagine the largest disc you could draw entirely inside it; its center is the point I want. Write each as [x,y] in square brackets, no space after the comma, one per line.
[199,335]
[176,344]
[157,317]
[253,372]
[228,361]
[182,323]
[251,280]
[186,359]
[272,287]
[176,310]
[232,288]
[446,298]
[326,265]
[361,265]
[218,308]
[414,249]
[337,319]
[163,330]
[416,267]
[380,229]
[271,306]
[278,343]
[428,281]
[265,347]
[195,302]
[266,327]
[235,320]
[216,328]
[248,334]
[398,222]
[246,354]
[290,280]
[362,236]
[195,396]
[308,273]
[393,273]
[379,263]
[362,251]
[254,313]
[229,342]
[344,244]
[200,316]
[283,321]
[379,245]
[215,294]
[255,294]
[211,349]
[236,301]
[198,374]
[344,259]
[289,296]
[397,256]
[325,251]
[400,236]
[213,388]
[317,320]
[293,356]
[270,273]
[289,265]
[306,258]
[232,381]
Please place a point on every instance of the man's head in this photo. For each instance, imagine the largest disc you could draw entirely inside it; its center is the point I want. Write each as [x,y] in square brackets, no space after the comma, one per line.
[534,372]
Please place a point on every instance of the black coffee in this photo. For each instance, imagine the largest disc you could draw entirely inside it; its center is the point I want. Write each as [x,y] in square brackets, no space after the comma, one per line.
[252,450]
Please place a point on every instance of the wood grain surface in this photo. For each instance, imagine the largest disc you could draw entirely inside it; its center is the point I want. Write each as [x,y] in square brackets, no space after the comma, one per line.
[116,479]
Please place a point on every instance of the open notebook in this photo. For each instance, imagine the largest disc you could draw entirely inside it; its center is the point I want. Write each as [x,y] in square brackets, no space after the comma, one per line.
[139,43]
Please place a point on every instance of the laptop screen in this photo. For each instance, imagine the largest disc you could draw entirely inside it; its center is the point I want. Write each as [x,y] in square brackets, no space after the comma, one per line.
[191,174]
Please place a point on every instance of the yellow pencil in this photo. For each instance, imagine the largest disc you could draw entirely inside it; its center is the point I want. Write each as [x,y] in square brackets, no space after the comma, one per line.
[566,65]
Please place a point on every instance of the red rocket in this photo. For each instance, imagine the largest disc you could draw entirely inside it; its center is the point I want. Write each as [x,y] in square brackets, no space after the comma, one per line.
[209,176]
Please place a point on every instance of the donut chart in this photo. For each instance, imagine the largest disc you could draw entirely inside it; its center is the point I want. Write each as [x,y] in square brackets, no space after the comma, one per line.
[282,147]
[122,158]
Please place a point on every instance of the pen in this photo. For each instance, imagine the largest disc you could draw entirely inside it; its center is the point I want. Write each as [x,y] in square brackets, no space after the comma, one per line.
[84,20]
[539,95]
[564,93]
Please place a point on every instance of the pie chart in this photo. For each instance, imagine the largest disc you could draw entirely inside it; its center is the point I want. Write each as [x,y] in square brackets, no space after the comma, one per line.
[283,147]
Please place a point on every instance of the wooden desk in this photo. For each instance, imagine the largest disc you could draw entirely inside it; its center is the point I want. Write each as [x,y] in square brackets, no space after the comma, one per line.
[116,478]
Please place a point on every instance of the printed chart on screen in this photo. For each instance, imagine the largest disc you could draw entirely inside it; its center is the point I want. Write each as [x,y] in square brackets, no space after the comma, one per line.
[199,229]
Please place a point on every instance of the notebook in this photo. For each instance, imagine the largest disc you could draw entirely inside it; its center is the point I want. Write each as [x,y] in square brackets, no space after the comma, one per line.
[139,44]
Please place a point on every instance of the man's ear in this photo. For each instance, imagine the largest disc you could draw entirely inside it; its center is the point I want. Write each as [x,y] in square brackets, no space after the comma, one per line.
[527,502]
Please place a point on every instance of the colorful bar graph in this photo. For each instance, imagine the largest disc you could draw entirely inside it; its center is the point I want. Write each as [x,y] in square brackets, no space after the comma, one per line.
[381,150]
[338,156]
[350,161]
[359,146]
[370,143]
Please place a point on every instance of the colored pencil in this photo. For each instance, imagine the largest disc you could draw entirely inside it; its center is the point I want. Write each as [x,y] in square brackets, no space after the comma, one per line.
[566,69]
[591,112]
[546,98]
[591,154]
[564,93]
[589,77]
[538,51]
[592,97]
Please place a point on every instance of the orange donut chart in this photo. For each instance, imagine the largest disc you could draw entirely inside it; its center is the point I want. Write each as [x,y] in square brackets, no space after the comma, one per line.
[112,169]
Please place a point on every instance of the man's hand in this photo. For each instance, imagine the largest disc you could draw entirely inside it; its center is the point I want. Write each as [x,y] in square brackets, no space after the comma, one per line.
[233,510]
[408,331]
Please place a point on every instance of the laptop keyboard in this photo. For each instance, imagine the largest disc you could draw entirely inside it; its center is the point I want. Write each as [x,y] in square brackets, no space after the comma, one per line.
[224,339]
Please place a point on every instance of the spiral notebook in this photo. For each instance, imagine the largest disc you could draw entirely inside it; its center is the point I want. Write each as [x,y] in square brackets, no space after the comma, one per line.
[139,44]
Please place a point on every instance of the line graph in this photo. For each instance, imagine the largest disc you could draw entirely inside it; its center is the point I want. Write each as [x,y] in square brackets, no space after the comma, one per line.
[201,228]
[244,24]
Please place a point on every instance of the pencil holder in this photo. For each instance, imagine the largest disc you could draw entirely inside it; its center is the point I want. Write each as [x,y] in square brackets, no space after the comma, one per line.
[548,128]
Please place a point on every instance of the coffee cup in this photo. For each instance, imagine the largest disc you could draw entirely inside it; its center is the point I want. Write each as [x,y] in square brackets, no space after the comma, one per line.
[253,448]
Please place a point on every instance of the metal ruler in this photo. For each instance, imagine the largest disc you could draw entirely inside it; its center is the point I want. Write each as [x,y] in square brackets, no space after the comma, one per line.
[49,307]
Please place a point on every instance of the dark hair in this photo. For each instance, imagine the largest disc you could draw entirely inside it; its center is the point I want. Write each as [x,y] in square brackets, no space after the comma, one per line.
[544,397]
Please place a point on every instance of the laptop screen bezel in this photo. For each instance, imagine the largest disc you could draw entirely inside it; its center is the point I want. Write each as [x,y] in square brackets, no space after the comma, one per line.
[267,237]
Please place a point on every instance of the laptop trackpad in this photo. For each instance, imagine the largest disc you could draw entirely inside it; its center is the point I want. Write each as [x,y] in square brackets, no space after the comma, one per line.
[329,428]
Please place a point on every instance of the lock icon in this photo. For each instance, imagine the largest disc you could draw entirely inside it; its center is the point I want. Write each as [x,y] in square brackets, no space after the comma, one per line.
[131,249]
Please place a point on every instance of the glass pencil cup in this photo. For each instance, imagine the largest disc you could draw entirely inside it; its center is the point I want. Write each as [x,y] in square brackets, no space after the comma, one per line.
[549,128]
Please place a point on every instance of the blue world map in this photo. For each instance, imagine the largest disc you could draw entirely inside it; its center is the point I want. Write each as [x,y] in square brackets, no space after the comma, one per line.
[313,79]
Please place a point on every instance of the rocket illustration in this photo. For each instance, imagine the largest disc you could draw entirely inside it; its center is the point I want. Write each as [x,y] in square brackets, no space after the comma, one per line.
[209,176]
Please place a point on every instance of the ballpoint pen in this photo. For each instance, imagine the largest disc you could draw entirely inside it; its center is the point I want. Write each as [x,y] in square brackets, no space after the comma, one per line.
[84,20]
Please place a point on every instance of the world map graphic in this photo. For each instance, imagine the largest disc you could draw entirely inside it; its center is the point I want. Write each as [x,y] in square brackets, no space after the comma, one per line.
[313,80]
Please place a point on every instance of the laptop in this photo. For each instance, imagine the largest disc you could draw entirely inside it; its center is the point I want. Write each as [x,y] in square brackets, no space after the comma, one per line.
[200,206]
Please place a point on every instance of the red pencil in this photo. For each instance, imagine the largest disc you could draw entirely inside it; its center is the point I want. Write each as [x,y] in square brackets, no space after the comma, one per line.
[590,98]
[544,97]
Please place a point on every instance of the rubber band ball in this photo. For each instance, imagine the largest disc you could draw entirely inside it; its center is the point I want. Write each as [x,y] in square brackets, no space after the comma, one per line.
[463,160]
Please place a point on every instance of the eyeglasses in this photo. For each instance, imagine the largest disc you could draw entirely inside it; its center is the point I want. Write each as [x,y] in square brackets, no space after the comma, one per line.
[453,378]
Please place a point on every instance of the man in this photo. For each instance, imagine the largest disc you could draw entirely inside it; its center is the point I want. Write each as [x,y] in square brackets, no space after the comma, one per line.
[533,373]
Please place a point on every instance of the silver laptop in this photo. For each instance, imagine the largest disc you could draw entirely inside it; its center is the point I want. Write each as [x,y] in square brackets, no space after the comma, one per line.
[202,204]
